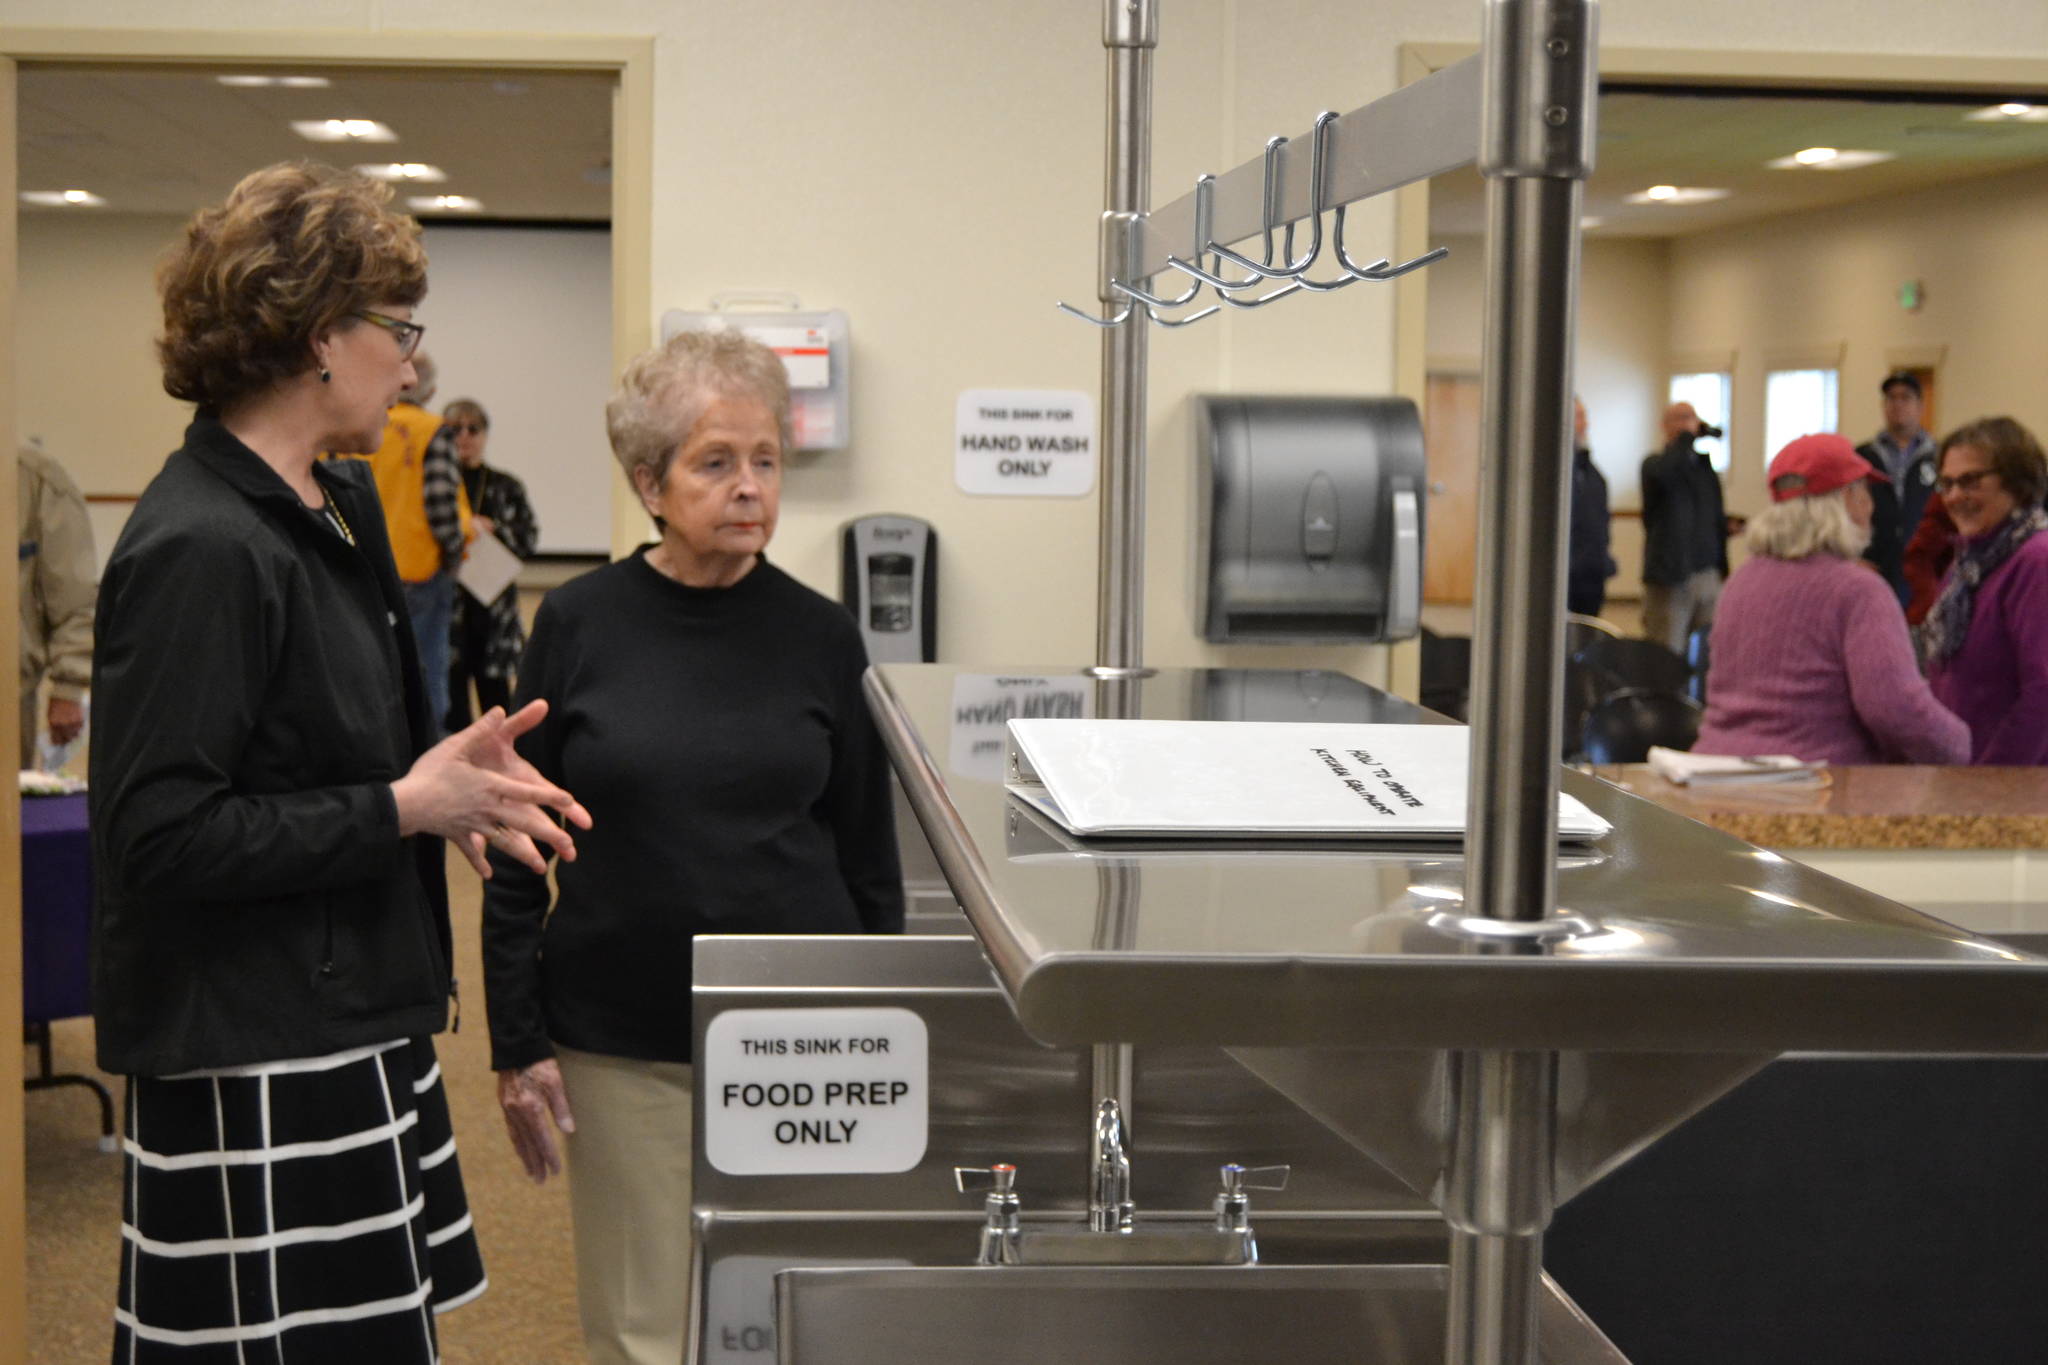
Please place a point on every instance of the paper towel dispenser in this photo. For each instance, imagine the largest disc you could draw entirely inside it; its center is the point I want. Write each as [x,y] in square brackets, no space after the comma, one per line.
[1310,521]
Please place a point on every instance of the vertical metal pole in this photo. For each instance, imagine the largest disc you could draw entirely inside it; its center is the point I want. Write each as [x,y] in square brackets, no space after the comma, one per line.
[1536,143]
[1130,30]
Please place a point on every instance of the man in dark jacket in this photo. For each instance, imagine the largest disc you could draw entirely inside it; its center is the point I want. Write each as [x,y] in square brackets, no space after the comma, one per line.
[1905,454]
[1685,534]
[1590,564]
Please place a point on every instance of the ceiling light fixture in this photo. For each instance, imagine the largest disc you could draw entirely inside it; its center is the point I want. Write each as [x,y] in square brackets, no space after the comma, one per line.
[1588,224]
[249,80]
[1675,194]
[445,203]
[2011,111]
[343,130]
[63,199]
[418,172]
[1828,159]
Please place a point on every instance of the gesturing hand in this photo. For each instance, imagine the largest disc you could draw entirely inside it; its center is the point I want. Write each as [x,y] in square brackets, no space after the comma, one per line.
[474,789]
[535,1104]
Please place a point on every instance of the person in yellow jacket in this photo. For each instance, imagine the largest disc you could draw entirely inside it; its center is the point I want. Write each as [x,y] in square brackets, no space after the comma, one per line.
[420,484]
[59,585]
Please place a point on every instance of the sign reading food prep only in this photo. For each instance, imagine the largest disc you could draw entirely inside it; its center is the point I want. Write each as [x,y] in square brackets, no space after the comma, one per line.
[815,1092]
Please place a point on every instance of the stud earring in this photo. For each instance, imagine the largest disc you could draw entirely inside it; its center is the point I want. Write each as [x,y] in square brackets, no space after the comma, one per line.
[324,376]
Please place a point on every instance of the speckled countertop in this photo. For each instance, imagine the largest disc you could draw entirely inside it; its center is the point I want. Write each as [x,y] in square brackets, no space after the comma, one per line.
[1897,807]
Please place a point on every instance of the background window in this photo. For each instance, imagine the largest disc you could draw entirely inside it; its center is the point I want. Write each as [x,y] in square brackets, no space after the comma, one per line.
[1708,392]
[1798,403]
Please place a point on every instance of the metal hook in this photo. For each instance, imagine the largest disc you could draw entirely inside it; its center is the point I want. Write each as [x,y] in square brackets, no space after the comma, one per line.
[1119,320]
[1152,302]
[1190,319]
[1318,180]
[1380,270]
[1205,193]
[1205,189]
[1293,269]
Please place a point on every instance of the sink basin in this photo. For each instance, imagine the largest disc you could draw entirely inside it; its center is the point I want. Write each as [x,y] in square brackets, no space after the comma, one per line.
[1182,1315]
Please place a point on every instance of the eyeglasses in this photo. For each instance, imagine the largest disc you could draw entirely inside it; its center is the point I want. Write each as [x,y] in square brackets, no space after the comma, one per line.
[1964,482]
[468,428]
[407,334]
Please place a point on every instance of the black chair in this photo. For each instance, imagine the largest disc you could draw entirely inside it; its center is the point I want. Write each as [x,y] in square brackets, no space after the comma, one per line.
[1583,690]
[1580,631]
[1634,664]
[1446,682]
[1622,728]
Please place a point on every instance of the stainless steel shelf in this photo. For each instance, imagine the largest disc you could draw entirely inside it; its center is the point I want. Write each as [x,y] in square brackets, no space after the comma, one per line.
[1704,943]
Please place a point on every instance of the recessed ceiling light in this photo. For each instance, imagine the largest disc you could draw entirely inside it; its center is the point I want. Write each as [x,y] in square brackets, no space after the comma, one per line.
[417,171]
[445,203]
[1674,194]
[2010,112]
[63,199]
[1828,159]
[343,130]
[251,80]
[1587,224]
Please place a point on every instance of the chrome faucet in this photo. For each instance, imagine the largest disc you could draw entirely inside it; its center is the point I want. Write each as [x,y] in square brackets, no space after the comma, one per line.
[1225,1239]
[1109,1191]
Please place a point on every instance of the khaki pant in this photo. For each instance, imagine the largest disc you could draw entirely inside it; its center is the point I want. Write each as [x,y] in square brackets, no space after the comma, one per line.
[629,1194]
[1670,613]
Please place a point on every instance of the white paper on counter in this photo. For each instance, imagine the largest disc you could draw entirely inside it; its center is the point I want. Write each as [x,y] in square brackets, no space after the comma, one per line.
[1255,778]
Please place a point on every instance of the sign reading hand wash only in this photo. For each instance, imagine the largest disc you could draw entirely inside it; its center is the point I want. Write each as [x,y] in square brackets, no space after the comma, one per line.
[1024,443]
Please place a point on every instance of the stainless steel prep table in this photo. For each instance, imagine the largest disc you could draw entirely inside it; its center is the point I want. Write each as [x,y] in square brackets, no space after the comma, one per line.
[1703,943]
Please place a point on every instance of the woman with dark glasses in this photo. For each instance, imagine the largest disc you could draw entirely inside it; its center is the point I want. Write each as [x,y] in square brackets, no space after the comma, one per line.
[486,638]
[1986,638]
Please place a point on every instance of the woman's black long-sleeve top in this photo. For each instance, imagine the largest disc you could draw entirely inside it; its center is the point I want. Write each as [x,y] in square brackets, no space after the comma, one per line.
[255,694]
[735,783]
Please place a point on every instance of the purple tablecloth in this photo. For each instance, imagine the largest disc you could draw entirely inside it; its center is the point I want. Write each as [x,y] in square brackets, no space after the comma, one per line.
[56,908]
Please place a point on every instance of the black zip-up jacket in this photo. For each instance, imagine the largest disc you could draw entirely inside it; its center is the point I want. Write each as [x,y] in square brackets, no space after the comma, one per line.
[255,693]
[1684,524]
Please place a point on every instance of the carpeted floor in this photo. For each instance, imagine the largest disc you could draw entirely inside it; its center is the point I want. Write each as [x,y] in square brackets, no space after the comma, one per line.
[74,1204]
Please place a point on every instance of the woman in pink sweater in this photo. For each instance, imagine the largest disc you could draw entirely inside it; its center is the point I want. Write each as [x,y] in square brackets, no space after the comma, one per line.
[1810,651]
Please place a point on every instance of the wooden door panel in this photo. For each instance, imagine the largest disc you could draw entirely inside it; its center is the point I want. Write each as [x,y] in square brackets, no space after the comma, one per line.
[1450,436]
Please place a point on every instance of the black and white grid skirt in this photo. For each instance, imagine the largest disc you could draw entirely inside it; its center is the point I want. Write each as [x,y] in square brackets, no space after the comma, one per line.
[293,1213]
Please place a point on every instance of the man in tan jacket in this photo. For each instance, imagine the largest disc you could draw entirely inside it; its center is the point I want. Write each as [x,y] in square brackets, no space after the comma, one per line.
[59,585]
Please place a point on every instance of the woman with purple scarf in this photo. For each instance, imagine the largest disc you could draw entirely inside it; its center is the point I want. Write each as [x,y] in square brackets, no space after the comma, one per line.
[1986,639]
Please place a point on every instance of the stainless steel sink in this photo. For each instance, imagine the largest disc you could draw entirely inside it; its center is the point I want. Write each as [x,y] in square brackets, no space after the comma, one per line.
[1129,1315]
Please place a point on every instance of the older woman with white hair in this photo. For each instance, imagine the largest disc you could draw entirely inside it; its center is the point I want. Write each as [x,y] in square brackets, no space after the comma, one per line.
[710,707]
[1810,651]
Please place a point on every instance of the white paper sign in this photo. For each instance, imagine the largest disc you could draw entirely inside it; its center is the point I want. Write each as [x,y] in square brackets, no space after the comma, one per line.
[1030,443]
[984,704]
[815,1092]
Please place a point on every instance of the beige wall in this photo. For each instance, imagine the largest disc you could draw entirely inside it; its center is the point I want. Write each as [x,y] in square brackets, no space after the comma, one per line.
[1621,359]
[1830,278]
[89,384]
[935,172]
